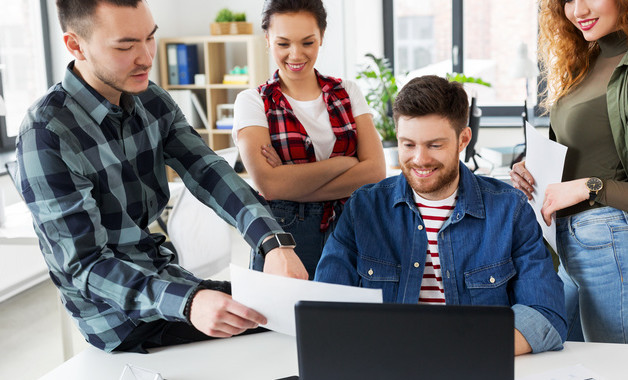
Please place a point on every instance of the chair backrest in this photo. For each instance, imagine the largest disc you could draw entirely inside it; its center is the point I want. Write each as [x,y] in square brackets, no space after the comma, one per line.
[12,170]
[201,238]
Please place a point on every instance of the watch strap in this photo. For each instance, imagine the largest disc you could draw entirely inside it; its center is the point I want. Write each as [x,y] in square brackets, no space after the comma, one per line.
[284,239]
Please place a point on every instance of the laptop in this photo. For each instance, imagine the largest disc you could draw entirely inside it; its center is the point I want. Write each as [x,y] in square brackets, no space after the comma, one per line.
[337,340]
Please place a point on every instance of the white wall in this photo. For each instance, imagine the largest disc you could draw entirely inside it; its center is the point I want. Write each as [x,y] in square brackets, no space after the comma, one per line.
[354,27]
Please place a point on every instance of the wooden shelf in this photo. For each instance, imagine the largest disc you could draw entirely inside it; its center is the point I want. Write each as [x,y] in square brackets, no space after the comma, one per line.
[213,53]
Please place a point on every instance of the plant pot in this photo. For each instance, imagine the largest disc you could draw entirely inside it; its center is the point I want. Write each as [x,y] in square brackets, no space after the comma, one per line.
[391,155]
[236,27]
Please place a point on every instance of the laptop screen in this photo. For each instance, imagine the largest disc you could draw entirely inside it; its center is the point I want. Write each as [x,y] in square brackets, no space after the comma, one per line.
[398,341]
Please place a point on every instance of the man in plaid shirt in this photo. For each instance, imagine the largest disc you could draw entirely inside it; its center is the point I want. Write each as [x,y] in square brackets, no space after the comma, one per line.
[91,157]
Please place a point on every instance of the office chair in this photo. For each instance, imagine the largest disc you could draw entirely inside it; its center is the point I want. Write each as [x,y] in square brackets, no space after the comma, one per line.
[201,238]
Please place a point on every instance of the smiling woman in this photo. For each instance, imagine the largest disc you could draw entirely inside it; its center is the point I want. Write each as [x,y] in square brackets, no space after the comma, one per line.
[307,140]
[24,58]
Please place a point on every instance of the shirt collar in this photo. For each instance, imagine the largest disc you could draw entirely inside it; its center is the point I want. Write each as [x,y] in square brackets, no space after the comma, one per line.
[90,100]
[469,194]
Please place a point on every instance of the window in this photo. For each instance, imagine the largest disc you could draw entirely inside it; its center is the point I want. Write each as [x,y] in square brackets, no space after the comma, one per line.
[479,38]
[24,63]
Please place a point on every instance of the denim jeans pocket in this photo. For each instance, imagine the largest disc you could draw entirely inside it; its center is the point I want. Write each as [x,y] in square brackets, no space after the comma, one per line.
[285,217]
[488,285]
[596,235]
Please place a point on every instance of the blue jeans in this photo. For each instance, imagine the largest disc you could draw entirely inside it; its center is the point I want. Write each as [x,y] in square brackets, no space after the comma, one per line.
[303,221]
[593,252]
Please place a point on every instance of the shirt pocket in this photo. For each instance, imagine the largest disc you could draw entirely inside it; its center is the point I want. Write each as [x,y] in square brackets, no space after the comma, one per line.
[488,285]
[378,274]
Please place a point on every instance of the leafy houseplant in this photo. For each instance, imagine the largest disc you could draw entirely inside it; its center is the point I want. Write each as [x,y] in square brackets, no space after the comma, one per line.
[228,22]
[224,15]
[461,78]
[382,91]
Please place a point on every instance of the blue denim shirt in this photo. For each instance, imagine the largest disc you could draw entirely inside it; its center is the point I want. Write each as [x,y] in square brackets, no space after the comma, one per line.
[491,252]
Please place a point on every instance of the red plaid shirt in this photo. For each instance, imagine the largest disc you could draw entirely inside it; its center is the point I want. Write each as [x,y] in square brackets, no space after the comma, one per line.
[290,139]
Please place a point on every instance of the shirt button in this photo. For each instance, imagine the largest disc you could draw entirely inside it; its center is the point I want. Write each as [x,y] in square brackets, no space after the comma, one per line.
[416,265]
[491,280]
[420,227]
[370,272]
[447,274]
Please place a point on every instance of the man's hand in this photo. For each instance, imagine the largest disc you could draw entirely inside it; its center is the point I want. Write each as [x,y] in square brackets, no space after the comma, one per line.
[521,344]
[215,314]
[284,262]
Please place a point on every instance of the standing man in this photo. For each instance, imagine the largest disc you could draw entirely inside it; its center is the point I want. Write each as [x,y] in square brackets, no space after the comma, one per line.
[91,157]
[438,234]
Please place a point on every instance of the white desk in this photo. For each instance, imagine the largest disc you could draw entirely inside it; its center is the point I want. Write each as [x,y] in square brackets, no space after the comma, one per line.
[18,228]
[271,356]
[22,263]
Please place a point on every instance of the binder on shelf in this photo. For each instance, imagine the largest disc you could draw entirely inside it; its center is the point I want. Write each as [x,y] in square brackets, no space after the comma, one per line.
[187,60]
[183,98]
[200,111]
[173,69]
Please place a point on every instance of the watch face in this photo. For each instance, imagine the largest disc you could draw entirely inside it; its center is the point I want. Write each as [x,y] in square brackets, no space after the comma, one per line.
[594,184]
[285,239]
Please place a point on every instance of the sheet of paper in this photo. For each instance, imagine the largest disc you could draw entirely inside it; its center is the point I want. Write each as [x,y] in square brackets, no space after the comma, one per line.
[576,372]
[545,160]
[275,296]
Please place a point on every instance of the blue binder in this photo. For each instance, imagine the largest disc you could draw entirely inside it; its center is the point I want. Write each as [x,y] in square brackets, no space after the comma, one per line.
[187,60]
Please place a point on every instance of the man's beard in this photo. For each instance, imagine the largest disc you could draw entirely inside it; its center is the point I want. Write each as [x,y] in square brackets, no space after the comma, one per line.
[115,84]
[444,179]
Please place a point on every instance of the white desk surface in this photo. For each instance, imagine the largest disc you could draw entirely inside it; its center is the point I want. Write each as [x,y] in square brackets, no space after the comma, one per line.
[18,228]
[272,355]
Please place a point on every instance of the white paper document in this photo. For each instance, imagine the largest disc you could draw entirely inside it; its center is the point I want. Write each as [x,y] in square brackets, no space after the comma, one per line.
[275,296]
[576,372]
[545,160]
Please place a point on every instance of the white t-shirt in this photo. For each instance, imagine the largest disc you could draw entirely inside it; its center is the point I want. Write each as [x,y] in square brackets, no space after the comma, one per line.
[249,111]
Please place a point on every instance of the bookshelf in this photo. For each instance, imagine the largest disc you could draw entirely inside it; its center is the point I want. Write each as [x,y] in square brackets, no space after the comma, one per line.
[213,56]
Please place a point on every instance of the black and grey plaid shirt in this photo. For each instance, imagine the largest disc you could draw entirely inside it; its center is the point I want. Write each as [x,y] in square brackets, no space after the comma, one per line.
[93,175]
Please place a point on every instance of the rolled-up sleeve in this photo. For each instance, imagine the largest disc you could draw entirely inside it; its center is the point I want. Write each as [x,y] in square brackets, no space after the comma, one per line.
[537,291]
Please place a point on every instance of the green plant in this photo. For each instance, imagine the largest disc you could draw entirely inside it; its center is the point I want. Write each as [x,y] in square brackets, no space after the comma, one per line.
[382,91]
[224,15]
[239,17]
[461,78]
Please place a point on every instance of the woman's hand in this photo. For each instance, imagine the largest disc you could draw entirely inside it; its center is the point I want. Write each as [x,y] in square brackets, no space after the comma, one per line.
[271,155]
[562,195]
[522,179]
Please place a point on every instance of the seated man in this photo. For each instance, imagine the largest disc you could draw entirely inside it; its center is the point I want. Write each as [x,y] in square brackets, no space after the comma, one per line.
[91,156]
[438,234]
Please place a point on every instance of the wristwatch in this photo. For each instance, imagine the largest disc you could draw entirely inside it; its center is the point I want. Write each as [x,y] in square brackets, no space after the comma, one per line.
[283,239]
[594,185]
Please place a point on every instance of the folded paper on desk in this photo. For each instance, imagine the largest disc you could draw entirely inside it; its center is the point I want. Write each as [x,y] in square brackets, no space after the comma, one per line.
[275,296]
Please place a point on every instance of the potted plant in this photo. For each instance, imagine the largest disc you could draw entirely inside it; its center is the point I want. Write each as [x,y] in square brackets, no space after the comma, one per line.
[228,22]
[381,93]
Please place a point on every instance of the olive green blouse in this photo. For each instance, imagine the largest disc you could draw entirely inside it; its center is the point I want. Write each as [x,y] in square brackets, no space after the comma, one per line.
[581,122]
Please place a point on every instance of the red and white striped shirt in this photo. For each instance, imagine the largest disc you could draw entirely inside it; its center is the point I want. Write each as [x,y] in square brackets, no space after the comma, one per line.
[434,214]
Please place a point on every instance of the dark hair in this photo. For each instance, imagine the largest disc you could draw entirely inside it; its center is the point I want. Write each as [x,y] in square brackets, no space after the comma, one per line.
[315,7]
[77,14]
[433,95]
